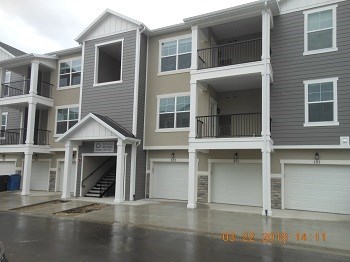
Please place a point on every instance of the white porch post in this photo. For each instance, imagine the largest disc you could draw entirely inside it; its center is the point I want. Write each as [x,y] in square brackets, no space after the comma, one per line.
[2,78]
[119,179]
[34,72]
[193,109]
[192,178]
[68,158]
[27,172]
[133,171]
[31,123]
[194,59]
[266,132]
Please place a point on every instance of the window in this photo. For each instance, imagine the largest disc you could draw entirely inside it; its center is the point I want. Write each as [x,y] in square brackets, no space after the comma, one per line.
[174,112]
[7,77]
[320,30]
[321,102]
[108,63]
[70,73]
[3,125]
[175,54]
[66,118]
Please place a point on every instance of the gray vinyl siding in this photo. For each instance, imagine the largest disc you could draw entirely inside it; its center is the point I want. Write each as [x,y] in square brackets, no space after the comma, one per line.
[291,68]
[141,154]
[114,100]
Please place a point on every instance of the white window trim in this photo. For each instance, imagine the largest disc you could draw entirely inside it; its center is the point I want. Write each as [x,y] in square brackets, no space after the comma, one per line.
[176,71]
[335,102]
[306,22]
[62,107]
[4,113]
[169,130]
[8,73]
[97,46]
[59,69]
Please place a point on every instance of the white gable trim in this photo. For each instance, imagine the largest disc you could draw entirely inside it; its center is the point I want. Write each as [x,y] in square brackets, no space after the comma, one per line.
[290,6]
[65,137]
[100,19]
[6,52]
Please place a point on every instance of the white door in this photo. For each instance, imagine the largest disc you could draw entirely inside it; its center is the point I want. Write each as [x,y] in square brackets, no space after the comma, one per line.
[60,170]
[7,168]
[322,188]
[236,183]
[40,175]
[170,181]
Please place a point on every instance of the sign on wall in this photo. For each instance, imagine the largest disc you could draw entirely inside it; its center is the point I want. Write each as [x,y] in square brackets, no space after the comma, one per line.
[104,147]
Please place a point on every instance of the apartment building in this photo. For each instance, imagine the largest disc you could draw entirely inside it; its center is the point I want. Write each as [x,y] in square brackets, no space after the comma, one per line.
[245,106]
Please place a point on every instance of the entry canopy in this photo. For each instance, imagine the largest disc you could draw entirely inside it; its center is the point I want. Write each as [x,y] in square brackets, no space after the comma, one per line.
[97,127]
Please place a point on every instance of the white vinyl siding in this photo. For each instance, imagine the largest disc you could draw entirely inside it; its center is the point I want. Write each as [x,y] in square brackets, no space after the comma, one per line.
[170,180]
[7,76]
[236,183]
[321,107]
[3,124]
[322,188]
[320,30]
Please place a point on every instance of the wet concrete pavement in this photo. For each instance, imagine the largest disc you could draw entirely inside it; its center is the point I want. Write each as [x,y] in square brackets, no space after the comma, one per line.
[33,238]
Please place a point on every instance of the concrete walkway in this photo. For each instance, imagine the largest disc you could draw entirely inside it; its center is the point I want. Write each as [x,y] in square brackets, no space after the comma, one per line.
[211,220]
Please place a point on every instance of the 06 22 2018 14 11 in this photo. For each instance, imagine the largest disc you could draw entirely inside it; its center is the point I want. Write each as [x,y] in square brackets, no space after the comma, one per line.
[270,237]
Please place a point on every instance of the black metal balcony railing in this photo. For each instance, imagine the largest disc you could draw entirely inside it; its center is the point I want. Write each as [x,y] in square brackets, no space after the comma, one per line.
[22,87]
[230,54]
[233,125]
[18,136]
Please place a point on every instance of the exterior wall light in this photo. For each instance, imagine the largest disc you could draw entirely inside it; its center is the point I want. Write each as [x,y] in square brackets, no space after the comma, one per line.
[317,158]
[172,157]
[235,158]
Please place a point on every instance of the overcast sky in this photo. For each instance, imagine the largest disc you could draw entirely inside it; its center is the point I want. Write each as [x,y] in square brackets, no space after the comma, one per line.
[40,26]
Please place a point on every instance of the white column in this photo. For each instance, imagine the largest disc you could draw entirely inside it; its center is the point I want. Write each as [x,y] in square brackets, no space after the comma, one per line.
[193,109]
[266,132]
[192,178]
[2,78]
[68,158]
[133,171]
[119,176]
[27,172]
[34,72]
[31,123]
[194,58]
[21,126]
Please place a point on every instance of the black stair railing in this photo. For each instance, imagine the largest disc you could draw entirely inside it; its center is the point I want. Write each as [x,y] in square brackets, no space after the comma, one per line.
[93,172]
[109,183]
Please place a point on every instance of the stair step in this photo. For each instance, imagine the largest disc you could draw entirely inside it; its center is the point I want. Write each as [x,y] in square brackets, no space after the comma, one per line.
[92,195]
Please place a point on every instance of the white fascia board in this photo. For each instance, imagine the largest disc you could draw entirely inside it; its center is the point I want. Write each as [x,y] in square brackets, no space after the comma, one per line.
[7,52]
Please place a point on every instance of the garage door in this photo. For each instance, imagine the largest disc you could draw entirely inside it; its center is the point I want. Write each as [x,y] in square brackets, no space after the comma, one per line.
[40,175]
[323,188]
[239,184]
[60,176]
[7,168]
[170,181]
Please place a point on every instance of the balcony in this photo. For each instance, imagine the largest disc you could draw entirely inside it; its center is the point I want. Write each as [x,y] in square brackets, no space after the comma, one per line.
[229,126]
[18,137]
[230,54]
[19,88]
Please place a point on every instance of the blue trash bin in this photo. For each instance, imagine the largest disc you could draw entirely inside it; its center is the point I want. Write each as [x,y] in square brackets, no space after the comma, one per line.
[14,182]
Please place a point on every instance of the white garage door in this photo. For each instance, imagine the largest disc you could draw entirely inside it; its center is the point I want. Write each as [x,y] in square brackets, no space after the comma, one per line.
[60,176]
[323,188]
[239,184]
[170,181]
[40,175]
[7,168]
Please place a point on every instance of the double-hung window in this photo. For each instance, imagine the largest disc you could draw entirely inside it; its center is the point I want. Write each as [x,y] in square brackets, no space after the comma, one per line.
[3,125]
[66,118]
[321,102]
[173,112]
[7,76]
[320,30]
[175,54]
[70,73]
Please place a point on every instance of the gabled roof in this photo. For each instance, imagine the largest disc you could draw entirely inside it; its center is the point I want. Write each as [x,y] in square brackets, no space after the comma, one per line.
[114,128]
[13,51]
[99,19]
